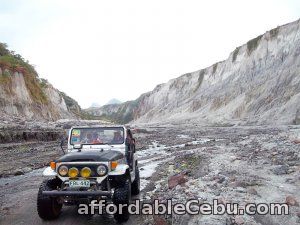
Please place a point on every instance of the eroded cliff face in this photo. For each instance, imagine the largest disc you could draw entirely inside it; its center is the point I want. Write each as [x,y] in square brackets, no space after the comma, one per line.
[30,98]
[259,83]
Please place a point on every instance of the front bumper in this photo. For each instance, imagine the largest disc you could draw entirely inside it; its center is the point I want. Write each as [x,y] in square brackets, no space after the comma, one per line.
[79,193]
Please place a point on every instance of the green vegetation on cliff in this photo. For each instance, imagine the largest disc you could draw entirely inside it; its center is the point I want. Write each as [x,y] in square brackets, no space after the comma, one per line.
[252,44]
[13,65]
[11,62]
[235,54]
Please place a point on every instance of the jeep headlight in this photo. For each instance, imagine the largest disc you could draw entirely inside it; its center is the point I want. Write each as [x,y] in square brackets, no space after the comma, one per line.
[85,172]
[102,170]
[73,172]
[63,170]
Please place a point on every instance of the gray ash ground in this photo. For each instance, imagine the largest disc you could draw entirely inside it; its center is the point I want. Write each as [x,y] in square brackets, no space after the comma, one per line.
[20,158]
[231,164]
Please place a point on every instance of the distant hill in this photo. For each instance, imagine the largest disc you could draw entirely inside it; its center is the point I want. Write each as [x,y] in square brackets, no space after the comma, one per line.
[113,101]
[95,105]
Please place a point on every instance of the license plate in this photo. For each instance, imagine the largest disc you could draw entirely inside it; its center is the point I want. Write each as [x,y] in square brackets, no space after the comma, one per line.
[79,183]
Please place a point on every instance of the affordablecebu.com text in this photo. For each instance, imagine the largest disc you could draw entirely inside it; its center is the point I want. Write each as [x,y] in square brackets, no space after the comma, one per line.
[192,207]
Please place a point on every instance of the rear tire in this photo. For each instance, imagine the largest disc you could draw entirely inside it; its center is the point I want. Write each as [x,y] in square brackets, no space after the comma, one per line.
[122,195]
[135,186]
[48,207]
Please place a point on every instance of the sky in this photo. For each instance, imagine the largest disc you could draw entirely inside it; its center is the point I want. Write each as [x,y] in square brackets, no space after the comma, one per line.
[96,50]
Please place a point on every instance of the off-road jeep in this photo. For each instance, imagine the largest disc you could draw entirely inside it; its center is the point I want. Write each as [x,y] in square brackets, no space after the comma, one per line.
[99,164]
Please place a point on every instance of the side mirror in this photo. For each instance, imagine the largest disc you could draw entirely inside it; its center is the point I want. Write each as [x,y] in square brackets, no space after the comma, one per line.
[62,142]
[77,146]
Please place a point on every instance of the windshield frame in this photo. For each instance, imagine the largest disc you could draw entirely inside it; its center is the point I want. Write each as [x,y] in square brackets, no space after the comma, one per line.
[109,128]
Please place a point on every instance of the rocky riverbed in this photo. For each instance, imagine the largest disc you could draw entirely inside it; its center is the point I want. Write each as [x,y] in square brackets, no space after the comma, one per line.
[231,164]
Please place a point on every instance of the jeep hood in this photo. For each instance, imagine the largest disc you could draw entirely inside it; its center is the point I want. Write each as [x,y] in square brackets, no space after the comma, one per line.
[91,156]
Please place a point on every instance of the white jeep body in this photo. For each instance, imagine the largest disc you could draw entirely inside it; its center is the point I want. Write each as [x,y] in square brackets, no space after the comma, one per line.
[120,169]
[115,157]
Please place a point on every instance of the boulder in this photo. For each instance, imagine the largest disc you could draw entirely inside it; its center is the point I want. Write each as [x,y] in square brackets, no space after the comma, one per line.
[27,169]
[239,220]
[18,172]
[291,200]
[281,170]
[297,141]
[173,181]
[252,191]
[160,221]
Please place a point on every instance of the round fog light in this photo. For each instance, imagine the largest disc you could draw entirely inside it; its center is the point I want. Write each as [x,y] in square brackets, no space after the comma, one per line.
[73,172]
[85,172]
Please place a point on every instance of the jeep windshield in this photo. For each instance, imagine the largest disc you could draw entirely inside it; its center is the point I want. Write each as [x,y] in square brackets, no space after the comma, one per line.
[97,136]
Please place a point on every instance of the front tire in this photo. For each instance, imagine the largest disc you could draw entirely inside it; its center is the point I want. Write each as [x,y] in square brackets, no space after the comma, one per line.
[122,195]
[135,186]
[48,208]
